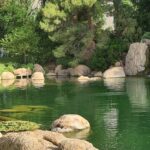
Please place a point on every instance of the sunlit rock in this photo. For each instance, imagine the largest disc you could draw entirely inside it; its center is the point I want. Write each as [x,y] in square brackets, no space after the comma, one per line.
[7,76]
[37,76]
[25,141]
[115,83]
[7,83]
[42,140]
[70,123]
[23,72]
[114,72]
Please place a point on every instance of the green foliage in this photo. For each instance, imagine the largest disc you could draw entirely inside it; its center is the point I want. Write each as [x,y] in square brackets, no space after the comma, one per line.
[6,67]
[8,126]
[71,26]
[146,35]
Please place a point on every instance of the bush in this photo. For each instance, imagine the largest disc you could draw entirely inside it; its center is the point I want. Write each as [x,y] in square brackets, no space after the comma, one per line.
[6,67]
[146,35]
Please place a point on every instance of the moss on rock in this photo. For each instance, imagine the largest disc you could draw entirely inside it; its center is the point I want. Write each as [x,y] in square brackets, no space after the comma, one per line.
[8,126]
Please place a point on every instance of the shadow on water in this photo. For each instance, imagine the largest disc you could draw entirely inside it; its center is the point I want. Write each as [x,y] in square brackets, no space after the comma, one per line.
[117,109]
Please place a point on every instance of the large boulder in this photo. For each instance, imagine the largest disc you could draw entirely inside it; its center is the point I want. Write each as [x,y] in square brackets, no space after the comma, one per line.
[69,123]
[137,59]
[22,72]
[38,68]
[42,140]
[37,76]
[82,70]
[114,72]
[7,76]
[76,144]
[26,141]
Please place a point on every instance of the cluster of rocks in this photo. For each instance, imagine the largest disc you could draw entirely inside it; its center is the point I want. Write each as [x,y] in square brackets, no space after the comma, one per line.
[37,77]
[49,140]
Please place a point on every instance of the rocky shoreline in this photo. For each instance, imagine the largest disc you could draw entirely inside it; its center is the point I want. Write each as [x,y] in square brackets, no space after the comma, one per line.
[49,140]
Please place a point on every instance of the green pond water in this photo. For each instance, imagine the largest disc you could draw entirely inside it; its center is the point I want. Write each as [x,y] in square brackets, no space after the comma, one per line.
[117,109]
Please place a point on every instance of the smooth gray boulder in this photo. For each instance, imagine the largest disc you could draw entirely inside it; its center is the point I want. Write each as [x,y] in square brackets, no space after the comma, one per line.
[137,59]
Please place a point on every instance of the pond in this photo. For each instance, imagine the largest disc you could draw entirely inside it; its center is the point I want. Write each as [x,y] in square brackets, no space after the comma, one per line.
[117,109]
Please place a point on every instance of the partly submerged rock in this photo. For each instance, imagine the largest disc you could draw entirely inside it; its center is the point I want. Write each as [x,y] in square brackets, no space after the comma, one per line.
[37,76]
[22,72]
[70,123]
[114,72]
[7,76]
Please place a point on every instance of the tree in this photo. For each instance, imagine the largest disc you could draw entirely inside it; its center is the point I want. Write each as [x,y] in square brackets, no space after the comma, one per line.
[19,35]
[71,25]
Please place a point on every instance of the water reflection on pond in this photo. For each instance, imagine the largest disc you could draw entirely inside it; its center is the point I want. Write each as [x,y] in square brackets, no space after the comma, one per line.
[118,109]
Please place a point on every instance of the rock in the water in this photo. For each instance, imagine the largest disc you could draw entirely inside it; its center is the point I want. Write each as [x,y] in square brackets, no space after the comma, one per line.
[38,68]
[98,74]
[114,72]
[82,70]
[69,123]
[58,68]
[137,59]
[37,76]
[23,72]
[75,144]
[7,76]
